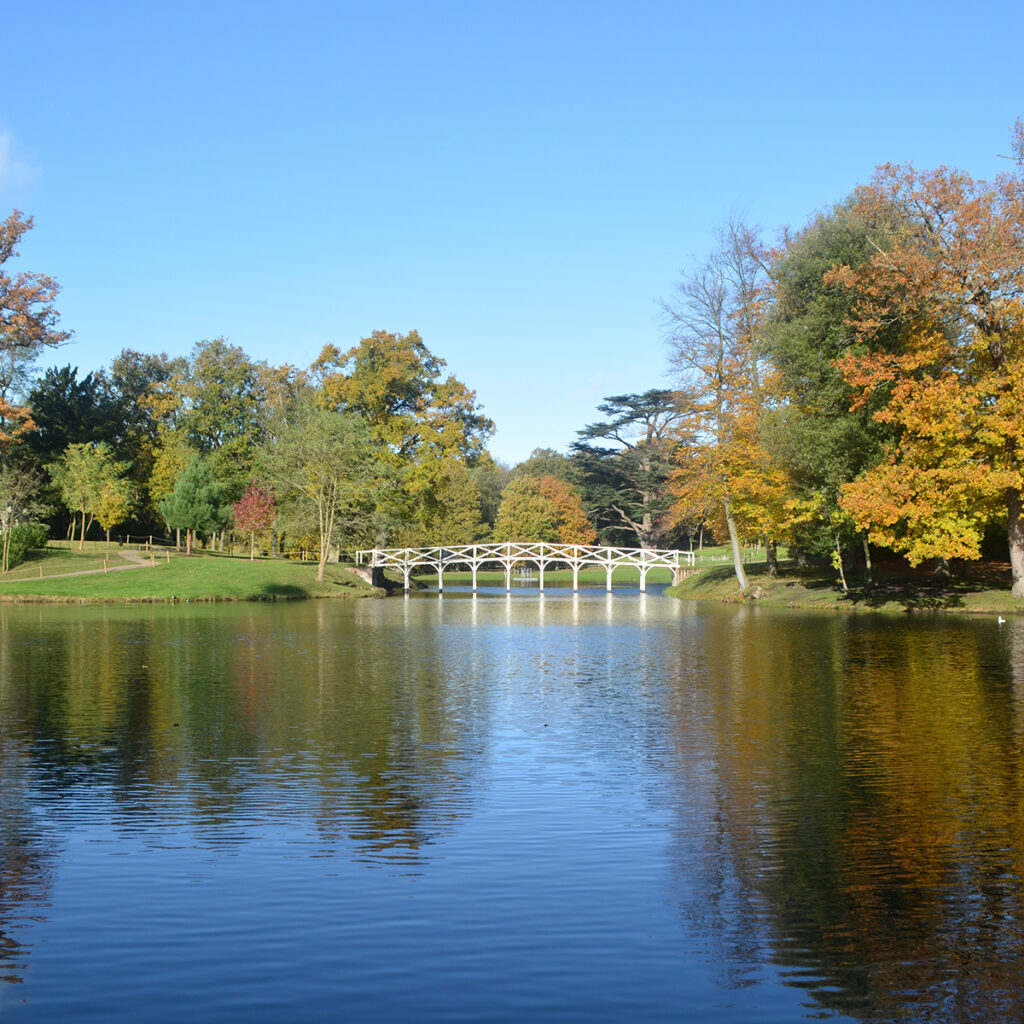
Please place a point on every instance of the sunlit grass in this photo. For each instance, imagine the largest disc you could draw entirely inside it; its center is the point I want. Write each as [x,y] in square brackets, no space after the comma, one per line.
[195,578]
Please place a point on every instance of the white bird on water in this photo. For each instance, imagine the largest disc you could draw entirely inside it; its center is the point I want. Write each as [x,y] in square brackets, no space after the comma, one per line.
[1000,619]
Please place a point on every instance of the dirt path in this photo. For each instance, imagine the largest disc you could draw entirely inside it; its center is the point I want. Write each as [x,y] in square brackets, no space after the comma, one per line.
[137,561]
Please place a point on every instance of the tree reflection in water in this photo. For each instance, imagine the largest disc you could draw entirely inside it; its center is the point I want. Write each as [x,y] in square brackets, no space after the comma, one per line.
[847,791]
[26,862]
[867,805]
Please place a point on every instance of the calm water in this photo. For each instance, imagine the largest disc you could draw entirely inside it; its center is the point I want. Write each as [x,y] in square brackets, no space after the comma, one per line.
[563,808]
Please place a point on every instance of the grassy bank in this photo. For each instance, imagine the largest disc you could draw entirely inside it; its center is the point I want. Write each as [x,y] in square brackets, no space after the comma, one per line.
[981,588]
[172,578]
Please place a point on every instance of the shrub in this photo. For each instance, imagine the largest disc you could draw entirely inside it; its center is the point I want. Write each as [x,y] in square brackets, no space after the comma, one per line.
[25,536]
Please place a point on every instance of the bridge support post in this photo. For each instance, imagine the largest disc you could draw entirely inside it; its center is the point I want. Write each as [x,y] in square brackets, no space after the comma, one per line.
[575,578]
[405,573]
[474,577]
[540,565]
[508,575]
[608,584]
[643,579]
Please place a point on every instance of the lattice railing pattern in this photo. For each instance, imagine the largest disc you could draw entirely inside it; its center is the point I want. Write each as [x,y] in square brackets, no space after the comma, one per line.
[510,554]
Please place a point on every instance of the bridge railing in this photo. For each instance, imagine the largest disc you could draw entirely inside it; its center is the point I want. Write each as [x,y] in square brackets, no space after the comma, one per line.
[539,553]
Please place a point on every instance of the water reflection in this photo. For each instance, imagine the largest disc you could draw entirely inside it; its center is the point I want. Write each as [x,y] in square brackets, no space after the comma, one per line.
[26,861]
[867,804]
[835,802]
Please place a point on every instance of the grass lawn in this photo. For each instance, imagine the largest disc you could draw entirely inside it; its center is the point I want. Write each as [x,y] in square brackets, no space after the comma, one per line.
[195,578]
[979,588]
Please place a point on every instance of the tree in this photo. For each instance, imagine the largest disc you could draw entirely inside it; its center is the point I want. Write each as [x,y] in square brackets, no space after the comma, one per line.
[418,418]
[450,514]
[81,474]
[715,332]
[570,518]
[215,405]
[28,319]
[117,499]
[626,486]
[169,459]
[254,511]
[15,423]
[542,509]
[490,478]
[326,474]
[548,462]
[134,429]
[524,514]
[951,282]
[68,411]
[822,442]
[396,383]
[197,503]
[18,488]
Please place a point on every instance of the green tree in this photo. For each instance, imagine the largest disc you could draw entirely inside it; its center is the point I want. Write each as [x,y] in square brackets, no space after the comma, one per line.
[68,411]
[197,503]
[418,418]
[548,462]
[626,486]
[135,431]
[490,478]
[816,432]
[525,514]
[19,487]
[215,405]
[542,508]
[81,474]
[450,515]
[327,477]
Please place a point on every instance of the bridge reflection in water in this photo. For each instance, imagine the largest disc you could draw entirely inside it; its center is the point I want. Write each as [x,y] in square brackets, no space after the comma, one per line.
[511,554]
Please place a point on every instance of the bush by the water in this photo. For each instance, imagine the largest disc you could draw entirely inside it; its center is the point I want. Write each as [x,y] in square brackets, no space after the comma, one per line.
[25,536]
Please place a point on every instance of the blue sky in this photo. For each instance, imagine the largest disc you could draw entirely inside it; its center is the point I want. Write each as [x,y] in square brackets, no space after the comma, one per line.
[518,182]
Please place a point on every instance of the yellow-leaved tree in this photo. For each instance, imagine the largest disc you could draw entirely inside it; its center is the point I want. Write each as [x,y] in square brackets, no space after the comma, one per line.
[952,278]
[715,330]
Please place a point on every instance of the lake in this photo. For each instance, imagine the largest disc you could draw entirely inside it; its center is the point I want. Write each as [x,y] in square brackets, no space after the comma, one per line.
[507,808]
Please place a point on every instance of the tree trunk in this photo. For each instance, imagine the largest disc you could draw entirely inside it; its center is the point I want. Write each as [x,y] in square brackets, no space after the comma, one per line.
[737,551]
[839,566]
[772,554]
[188,542]
[252,546]
[867,558]
[1016,536]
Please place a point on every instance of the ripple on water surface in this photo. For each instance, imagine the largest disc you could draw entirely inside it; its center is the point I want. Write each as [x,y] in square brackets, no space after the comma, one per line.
[568,808]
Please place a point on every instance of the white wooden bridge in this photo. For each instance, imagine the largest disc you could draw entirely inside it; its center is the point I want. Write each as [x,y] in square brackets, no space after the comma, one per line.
[516,554]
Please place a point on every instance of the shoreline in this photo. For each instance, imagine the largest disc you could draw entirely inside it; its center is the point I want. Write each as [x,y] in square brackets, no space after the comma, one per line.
[895,590]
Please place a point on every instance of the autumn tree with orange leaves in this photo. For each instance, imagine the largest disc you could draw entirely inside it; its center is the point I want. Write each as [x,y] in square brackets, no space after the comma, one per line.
[951,277]
[28,319]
